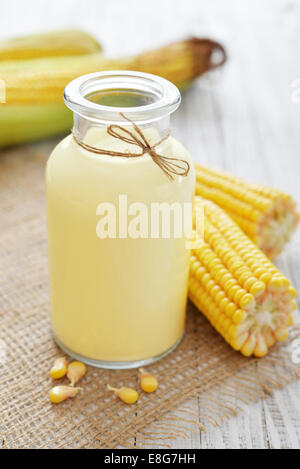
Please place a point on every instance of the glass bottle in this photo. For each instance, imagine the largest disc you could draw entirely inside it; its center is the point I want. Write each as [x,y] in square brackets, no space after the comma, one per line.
[118,280]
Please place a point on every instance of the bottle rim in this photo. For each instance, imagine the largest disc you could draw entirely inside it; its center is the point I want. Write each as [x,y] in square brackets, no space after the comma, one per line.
[164,98]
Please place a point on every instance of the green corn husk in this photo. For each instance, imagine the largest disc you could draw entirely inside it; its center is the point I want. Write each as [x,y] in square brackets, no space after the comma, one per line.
[34,106]
[25,123]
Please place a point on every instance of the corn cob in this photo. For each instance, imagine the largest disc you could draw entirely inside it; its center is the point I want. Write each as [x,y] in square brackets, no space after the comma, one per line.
[21,124]
[267,215]
[243,295]
[44,80]
[34,88]
[53,44]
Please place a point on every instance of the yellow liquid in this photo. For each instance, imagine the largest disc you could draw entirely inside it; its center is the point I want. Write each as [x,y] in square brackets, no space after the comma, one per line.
[114,300]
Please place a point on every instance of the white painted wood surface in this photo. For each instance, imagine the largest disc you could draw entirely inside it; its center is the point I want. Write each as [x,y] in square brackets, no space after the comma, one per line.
[245,119]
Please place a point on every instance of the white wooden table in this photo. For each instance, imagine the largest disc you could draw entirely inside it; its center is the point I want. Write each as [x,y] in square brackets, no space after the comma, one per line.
[245,119]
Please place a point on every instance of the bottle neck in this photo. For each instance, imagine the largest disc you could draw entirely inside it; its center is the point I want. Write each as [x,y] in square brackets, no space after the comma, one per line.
[98,100]
[83,125]
[144,138]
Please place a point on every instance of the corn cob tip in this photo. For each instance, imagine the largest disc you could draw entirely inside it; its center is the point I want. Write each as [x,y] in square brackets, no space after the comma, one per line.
[268,216]
[208,48]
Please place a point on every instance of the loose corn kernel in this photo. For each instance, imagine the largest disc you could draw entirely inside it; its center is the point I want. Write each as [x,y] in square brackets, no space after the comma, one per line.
[127,395]
[62,393]
[59,369]
[76,372]
[148,382]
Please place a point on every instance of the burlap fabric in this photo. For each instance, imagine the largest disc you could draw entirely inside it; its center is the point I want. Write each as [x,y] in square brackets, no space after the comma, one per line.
[203,365]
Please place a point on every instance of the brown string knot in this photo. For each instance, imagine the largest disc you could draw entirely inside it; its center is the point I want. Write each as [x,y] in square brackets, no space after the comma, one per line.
[170,166]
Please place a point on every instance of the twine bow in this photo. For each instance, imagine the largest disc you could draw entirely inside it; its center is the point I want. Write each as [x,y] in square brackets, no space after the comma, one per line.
[170,166]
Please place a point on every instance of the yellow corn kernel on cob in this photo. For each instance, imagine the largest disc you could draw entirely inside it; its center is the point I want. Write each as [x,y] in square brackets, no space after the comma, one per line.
[43,80]
[50,44]
[243,295]
[268,216]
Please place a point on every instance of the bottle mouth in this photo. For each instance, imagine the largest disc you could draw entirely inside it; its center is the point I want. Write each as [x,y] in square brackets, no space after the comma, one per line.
[101,97]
